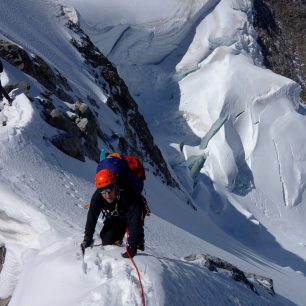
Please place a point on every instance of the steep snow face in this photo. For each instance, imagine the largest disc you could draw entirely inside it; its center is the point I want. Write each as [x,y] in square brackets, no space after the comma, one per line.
[225,115]
[232,130]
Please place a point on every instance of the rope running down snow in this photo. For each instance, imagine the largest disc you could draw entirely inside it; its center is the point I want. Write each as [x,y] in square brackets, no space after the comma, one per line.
[136,268]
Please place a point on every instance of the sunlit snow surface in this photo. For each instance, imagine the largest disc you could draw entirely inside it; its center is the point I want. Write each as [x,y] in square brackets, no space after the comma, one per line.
[229,128]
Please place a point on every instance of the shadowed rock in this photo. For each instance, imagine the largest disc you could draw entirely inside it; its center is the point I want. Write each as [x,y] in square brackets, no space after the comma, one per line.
[69,145]
[3,302]
[2,256]
[216,264]
[281,36]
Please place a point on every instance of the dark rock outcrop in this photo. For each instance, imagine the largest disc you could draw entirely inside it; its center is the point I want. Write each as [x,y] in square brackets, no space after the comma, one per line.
[3,302]
[89,127]
[36,67]
[2,256]
[60,120]
[70,145]
[280,25]
[56,85]
[216,264]
[81,127]
[139,139]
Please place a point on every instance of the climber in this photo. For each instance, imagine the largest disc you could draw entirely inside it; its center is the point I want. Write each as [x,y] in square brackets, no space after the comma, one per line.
[121,209]
[130,175]
[2,90]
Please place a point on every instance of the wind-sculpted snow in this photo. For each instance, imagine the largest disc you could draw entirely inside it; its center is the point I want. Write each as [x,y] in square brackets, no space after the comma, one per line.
[20,115]
[254,155]
[254,117]
[255,106]
[20,227]
[107,279]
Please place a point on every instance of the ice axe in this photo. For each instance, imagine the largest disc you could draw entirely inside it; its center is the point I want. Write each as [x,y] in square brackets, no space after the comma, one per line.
[84,264]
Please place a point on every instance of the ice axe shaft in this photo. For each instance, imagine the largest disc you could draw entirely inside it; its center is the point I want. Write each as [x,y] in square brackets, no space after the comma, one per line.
[84,264]
[83,250]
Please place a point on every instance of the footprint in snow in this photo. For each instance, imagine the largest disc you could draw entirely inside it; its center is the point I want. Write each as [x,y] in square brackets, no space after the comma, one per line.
[108,270]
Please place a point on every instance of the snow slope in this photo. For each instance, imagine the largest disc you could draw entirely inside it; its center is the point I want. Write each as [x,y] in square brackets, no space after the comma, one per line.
[168,57]
[42,228]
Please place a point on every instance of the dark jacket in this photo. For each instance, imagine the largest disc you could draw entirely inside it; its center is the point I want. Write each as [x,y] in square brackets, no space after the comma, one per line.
[126,178]
[1,67]
[127,208]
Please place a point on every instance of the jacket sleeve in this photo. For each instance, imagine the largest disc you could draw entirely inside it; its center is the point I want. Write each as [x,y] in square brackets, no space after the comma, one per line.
[93,215]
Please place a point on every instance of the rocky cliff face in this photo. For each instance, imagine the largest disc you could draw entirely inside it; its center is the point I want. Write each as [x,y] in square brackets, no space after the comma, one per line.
[281,25]
[140,141]
[77,127]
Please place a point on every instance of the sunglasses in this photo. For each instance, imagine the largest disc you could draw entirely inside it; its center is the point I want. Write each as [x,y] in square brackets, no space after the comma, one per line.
[109,189]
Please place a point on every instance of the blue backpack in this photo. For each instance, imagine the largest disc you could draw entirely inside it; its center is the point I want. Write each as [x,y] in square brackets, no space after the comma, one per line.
[118,165]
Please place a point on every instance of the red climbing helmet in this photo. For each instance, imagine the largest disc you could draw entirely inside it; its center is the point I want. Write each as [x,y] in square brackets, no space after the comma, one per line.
[105,178]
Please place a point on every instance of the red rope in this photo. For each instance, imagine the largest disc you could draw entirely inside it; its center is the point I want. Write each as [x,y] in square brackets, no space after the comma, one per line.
[136,268]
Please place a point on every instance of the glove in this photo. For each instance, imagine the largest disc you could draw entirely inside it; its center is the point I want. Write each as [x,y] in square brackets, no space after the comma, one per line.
[85,244]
